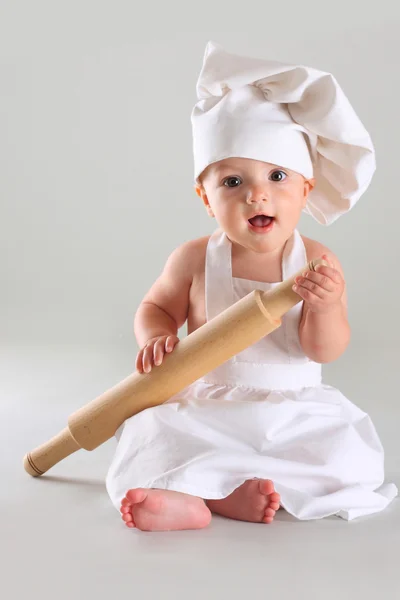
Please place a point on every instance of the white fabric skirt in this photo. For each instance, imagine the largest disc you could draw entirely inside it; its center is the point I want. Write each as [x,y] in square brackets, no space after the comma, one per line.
[321,451]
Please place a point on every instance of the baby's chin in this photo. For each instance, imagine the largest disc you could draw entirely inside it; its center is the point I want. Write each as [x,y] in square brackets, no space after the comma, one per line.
[263,247]
[260,244]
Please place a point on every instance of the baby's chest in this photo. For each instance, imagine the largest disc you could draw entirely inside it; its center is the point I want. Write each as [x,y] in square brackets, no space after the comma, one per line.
[262,271]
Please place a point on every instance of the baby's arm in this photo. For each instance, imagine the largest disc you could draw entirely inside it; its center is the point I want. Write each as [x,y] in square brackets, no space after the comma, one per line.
[164,309]
[324,329]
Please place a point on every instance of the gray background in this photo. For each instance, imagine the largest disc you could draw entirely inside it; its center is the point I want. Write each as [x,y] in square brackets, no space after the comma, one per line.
[96,190]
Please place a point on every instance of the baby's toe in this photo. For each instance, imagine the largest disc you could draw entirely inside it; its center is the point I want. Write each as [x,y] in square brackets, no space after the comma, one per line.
[266,487]
[274,505]
[268,519]
[136,496]
[269,512]
[275,497]
[125,509]
[127,518]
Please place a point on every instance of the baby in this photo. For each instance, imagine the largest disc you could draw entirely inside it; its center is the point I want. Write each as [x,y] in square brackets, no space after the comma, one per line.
[261,431]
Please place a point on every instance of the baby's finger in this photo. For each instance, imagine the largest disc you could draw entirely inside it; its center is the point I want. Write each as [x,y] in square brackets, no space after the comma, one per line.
[158,352]
[319,279]
[171,342]
[308,290]
[139,361]
[328,260]
[148,358]
[330,272]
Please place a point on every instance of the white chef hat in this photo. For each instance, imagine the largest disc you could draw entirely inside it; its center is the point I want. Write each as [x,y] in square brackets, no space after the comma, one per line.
[292,116]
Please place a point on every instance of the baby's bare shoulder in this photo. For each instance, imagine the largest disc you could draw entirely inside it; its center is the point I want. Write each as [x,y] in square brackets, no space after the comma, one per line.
[171,290]
[191,255]
[315,249]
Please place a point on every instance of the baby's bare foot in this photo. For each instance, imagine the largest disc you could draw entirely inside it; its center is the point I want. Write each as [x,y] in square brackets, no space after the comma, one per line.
[255,500]
[163,510]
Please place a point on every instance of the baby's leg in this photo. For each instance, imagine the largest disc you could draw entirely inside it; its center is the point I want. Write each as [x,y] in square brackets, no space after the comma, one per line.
[163,510]
[255,500]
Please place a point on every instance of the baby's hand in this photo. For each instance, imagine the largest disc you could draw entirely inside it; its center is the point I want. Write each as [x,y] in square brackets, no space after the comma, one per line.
[321,289]
[153,352]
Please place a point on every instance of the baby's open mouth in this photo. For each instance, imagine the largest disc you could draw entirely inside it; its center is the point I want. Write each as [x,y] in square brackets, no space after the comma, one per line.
[261,221]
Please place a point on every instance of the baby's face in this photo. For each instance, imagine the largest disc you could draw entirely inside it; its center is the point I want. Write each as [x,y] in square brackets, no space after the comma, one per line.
[257,204]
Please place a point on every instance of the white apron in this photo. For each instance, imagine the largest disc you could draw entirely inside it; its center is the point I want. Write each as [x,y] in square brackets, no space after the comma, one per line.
[263,414]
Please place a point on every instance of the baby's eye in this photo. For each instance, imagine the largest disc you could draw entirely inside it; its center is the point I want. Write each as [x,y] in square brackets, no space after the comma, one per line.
[232,181]
[278,176]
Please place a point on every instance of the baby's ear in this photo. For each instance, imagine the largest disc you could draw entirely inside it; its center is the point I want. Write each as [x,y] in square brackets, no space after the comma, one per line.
[200,191]
[309,185]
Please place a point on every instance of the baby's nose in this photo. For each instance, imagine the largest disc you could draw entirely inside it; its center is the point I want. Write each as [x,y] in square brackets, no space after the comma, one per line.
[257,194]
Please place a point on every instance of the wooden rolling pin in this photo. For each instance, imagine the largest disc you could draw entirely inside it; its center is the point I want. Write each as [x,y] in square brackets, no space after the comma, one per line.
[218,340]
